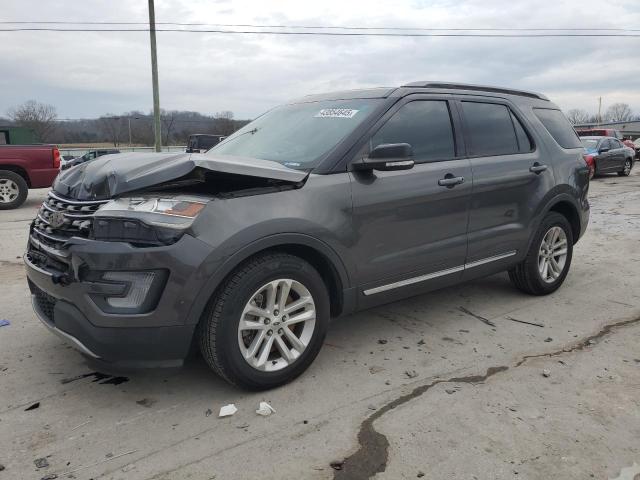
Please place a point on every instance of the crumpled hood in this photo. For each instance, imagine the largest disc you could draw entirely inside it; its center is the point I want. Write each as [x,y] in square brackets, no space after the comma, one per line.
[112,175]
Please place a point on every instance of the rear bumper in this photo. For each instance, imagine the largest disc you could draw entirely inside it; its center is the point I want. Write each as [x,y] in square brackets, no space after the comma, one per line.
[160,337]
[584,220]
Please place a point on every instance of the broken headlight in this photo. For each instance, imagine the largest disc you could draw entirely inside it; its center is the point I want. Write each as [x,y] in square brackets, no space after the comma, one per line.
[146,220]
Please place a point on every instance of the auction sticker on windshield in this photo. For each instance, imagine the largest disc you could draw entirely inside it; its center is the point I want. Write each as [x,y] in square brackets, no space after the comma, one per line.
[336,113]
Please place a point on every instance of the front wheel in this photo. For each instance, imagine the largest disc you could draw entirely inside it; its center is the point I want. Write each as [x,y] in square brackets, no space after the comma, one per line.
[626,169]
[549,257]
[266,323]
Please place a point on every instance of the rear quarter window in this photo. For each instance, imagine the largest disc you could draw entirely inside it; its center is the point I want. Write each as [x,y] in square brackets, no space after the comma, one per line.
[559,127]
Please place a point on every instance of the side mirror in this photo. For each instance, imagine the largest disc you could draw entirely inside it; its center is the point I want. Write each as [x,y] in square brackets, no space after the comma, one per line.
[387,157]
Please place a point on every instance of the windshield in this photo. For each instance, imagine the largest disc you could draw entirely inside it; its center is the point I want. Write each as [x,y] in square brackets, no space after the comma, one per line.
[589,144]
[299,135]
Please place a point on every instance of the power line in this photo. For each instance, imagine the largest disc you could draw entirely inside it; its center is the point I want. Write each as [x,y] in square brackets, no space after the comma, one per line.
[327,34]
[317,27]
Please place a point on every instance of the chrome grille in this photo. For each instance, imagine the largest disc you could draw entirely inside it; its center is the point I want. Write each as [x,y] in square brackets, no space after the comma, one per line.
[61,218]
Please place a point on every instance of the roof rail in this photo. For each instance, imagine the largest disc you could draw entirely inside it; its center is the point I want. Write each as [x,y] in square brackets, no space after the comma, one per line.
[482,88]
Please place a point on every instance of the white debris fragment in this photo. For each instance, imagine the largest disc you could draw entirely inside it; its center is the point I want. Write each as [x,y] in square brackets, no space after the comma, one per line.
[227,410]
[265,409]
[546,372]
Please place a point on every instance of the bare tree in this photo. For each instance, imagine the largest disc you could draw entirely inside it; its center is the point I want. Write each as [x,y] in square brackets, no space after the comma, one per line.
[112,127]
[168,120]
[577,116]
[224,123]
[39,117]
[619,112]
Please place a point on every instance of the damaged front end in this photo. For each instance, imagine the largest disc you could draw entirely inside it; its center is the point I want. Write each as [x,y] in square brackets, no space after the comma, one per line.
[112,259]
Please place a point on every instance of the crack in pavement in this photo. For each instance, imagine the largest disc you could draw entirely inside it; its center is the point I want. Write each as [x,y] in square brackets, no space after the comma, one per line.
[372,456]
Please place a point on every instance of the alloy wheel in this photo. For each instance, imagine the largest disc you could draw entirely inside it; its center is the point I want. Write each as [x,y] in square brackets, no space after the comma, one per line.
[276,325]
[552,255]
[8,190]
[627,167]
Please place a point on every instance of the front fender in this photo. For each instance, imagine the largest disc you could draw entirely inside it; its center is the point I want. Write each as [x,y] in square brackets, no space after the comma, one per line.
[223,268]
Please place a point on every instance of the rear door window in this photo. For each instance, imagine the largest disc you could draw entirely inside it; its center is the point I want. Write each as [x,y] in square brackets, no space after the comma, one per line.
[423,124]
[558,126]
[490,129]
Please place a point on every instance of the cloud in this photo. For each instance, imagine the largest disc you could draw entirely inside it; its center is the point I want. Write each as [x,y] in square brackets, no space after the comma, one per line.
[88,74]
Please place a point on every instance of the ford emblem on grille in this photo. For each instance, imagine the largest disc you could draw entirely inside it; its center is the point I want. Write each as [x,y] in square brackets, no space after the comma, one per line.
[56,219]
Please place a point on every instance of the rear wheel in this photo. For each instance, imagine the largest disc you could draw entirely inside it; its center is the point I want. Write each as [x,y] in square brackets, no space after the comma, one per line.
[626,169]
[266,323]
[549,257]
[13,190]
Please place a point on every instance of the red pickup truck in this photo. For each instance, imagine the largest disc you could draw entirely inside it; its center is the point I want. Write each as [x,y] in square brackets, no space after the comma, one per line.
[23,167]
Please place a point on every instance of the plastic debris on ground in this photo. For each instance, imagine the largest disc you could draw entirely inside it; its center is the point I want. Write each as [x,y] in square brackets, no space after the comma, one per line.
[265,409]
[4,323]
[227,410]
[41,462]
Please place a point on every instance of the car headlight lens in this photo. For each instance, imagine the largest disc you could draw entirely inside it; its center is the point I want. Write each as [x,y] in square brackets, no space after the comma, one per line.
[146,220]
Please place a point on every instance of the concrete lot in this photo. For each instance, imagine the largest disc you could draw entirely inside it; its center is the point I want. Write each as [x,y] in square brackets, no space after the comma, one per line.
[477,405]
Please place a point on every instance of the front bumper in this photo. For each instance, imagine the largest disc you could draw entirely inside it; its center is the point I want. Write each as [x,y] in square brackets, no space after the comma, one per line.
[162,336]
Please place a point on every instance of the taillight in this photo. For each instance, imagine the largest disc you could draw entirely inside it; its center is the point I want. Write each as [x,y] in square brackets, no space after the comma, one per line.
[56,157]
[590,160]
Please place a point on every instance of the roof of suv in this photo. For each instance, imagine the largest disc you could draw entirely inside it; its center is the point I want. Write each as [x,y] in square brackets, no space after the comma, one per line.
[384,92]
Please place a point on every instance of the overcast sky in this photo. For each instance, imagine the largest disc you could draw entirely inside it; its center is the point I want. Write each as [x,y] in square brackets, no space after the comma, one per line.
[90,74]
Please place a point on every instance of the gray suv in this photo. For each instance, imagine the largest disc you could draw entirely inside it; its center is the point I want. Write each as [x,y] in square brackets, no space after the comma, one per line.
[327,205]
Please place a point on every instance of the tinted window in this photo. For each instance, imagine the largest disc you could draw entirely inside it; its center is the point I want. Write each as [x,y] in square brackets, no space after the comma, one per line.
[524,142]
[425,125]
[559,127]
[208,142]
[616,143]
[490,129]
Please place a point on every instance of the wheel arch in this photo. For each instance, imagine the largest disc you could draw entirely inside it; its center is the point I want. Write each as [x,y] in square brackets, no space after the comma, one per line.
[17,170]
[563,203]
[570,212]
[317,253]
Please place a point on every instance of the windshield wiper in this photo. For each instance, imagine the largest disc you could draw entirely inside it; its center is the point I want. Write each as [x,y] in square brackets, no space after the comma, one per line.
[252,131]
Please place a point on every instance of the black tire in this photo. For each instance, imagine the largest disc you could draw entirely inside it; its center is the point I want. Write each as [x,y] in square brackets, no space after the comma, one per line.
[218,329]
[526,275]
[14,201]
[626,169]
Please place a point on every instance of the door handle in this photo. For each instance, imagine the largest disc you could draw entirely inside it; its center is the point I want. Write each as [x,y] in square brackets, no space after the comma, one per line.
[537,168]
[450,181]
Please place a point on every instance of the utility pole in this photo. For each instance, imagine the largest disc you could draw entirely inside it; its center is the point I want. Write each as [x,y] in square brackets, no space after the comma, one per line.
[154,77]
[599,110]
